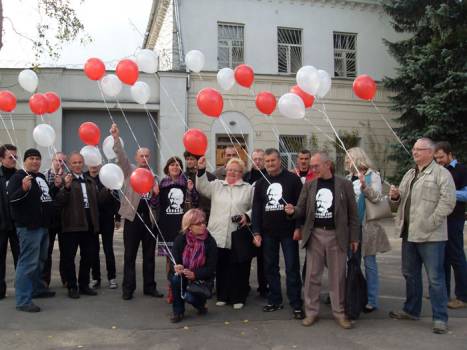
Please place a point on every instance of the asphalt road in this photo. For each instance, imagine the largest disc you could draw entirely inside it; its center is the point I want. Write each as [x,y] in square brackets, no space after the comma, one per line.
[108,322]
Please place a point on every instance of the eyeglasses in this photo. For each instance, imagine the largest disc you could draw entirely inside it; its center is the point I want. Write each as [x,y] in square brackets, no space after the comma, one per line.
[199,223]
[420,149]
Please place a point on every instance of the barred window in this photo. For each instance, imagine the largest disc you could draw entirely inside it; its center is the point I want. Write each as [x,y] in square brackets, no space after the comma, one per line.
[289,146]
[289,50]
[230,45]
[345,55]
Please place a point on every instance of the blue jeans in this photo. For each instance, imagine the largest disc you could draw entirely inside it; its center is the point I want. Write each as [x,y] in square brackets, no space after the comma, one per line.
[34,246]
[292,270]
[178,305]
[455,258]
[430,254]
[372,280]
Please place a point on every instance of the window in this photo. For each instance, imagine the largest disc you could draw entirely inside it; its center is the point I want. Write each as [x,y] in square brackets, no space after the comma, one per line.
[238,141]
[289,146]
[345,55]
[230,45]
[289,50]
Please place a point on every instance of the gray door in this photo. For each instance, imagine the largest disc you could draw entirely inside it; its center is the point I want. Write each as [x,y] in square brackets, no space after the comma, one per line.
[139,122]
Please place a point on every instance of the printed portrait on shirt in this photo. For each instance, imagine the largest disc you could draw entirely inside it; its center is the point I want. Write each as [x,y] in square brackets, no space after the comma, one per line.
[45,197]
[274,195]
[175,201]
[324,199]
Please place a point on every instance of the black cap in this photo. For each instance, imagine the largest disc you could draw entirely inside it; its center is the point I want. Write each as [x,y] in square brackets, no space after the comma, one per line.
[32,152]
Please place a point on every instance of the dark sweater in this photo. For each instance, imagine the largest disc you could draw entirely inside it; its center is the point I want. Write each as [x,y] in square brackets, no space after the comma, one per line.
[253,175]
[206,272]
[6,223]
[268,216]
[459,174]
[32,209]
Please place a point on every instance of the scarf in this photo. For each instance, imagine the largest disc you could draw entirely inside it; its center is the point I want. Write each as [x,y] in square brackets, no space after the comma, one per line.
[194,255]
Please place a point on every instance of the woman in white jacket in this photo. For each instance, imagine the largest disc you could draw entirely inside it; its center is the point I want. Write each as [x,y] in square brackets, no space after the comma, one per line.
[231,201]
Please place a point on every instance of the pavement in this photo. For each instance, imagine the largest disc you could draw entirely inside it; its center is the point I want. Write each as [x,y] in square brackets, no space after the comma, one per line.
[108,322]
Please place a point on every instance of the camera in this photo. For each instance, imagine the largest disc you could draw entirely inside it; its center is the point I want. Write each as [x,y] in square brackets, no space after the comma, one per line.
[236,219]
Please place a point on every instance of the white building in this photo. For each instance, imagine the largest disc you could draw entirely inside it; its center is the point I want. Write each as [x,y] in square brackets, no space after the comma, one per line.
[276,38]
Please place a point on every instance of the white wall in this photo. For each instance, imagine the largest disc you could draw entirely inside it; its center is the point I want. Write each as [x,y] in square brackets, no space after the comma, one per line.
[317,19]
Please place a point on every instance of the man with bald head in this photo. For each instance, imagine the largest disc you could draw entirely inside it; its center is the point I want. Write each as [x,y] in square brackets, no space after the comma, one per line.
[424,199]
[135,210]
[80,223]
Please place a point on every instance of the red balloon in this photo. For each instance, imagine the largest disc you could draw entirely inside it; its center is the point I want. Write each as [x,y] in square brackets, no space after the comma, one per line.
[7,101]
[244,75]
[308,99]
[210,102]
[266,102]
[127,71]
[364,87]
[141,180]
[89,133]
[94,68]
[195,142]
[54,101]
[38,104]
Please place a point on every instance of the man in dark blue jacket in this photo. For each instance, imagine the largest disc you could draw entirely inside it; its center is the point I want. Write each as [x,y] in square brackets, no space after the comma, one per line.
[31,209]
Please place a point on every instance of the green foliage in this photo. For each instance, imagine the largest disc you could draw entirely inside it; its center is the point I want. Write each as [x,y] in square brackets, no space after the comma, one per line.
[431,83]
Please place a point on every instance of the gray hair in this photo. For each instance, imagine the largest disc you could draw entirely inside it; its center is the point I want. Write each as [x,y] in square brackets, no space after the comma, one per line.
[323,155]
[428,141]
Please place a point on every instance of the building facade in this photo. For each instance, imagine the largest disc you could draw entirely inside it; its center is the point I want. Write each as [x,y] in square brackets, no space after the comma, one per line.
[276,38]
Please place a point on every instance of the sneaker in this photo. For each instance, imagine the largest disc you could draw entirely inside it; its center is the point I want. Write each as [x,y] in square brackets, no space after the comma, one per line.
[221,303]
[113,284]
[402,315]
[440,327]
[238,306]
[298,314]
[272,307]
[95,284]
[29,308]
[456,304]
[309,321]
[369,308]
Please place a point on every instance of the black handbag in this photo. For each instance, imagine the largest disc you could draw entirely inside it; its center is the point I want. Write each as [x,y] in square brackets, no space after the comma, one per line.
[242,249]
[200,288]
[356,295]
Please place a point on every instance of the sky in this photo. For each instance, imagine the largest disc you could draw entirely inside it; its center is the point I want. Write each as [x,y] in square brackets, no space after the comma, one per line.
[116,27]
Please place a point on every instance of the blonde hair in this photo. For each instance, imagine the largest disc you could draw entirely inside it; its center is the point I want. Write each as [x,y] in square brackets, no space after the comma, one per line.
[237,161]
[360,158]
[191,217]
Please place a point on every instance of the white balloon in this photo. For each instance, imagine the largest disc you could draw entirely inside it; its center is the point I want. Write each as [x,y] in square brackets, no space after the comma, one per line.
[111,85]
[91,155]
[147,61]
[28,80]
[194,60]
[44,135]
[107,147]
[324,83]
[111,176]
[226,78]
[308,79]
[141,92]
[291,106]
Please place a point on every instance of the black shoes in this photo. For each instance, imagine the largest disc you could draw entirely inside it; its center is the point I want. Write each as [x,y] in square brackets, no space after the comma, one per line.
[73,293]
[176,318]
[87,291]
[29,308]
[127,296]
[155,293]
[298,314]
[272,307]
[44,294]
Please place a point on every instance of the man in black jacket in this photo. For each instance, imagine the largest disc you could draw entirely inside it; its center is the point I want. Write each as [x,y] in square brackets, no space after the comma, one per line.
[273,229]
[31,208]
[7,227]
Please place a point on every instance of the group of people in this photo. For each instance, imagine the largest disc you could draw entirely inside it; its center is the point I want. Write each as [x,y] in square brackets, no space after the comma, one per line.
[211,226]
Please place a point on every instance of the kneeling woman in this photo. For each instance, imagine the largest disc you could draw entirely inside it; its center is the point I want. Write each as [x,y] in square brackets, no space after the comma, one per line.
[195,253]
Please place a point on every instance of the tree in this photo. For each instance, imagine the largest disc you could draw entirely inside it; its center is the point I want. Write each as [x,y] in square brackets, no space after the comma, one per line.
[431,83]
[62,25]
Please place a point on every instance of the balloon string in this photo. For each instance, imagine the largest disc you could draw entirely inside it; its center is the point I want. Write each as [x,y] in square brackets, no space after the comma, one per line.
[14,130]
[11,139]
[389,126]
[275,131]
[105,102]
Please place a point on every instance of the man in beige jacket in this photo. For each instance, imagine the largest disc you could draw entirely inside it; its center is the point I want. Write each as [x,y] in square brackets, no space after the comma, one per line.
[133,208]
[425,197]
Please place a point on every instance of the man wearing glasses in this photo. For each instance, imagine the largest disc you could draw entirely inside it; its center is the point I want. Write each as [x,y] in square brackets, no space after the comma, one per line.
[7,227]
[424,199]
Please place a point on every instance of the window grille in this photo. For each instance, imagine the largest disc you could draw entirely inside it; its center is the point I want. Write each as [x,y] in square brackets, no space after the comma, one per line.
[289,146]
[230,45]
[289,50]
[345,55]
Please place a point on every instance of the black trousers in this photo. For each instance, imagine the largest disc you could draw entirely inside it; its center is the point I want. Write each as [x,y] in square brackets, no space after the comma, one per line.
[71,242]
[232,283]
[47,272]
[260,274]
[134,233]
[107,226]
[5,237]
